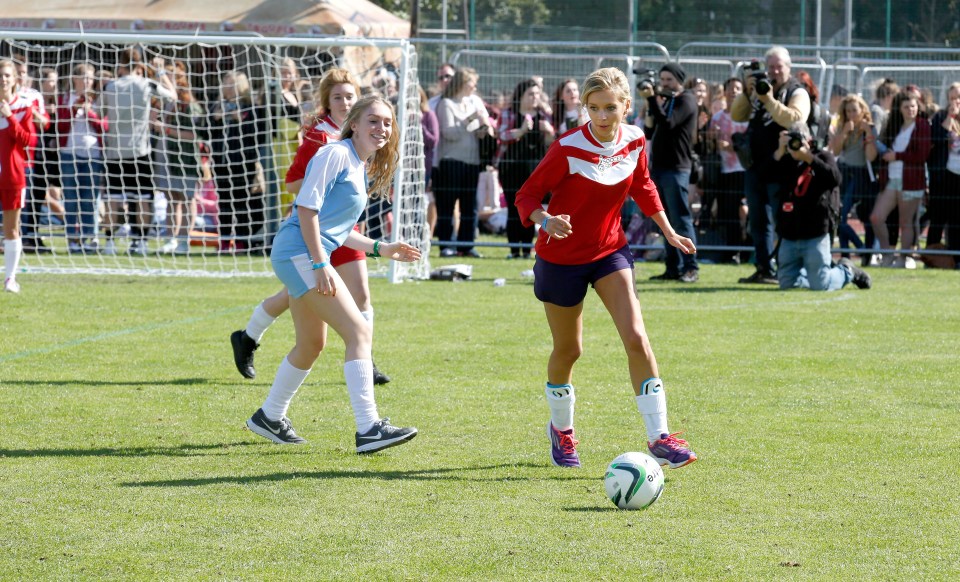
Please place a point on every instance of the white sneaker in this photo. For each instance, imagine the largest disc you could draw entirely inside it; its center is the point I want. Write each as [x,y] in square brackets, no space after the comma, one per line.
[909,263]
[183,247]
[169,247]
[91,247]
[137,247]
[110,248]
[11,285]
[874,260]
[123,231]
[73,247]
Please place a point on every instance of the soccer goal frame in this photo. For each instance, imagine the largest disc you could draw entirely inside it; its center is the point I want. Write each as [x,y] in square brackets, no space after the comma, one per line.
[386,64]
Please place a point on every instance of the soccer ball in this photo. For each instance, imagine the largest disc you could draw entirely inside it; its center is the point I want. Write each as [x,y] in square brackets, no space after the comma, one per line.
[633,481]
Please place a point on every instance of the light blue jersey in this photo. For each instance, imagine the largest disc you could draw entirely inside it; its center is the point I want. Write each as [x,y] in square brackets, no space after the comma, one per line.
[335,185]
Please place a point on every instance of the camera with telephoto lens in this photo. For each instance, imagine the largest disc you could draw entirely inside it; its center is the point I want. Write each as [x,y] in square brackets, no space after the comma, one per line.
[795,140]
[762,85]
[647,79]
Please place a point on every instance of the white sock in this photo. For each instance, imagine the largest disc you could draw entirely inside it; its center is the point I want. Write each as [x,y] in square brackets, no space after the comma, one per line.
[652,404]
[260,320]
[560,398]
[359,376]
[12,248]
[286,383]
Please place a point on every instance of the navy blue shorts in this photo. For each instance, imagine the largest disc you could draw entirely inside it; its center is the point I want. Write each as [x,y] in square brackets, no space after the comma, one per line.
[567,285]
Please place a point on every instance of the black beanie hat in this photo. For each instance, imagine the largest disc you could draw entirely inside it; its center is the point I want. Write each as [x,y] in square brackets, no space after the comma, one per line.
[676,70]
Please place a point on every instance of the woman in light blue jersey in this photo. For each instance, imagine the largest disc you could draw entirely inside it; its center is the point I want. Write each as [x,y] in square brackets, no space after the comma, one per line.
[330,201]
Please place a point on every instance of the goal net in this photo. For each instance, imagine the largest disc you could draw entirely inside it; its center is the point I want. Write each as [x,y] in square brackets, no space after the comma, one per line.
[167,155]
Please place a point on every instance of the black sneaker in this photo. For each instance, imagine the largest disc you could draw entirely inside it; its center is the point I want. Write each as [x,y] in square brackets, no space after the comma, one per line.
[666,276]
[760,278]
[860,277]
[379,378]
[243,348]
[280,431]
[383,435]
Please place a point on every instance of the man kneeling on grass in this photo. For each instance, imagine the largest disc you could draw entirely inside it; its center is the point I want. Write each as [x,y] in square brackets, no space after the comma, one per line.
[809,210]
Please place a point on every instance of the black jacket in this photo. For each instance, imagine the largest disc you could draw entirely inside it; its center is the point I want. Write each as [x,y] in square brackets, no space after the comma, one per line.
[672,133]
[809,198]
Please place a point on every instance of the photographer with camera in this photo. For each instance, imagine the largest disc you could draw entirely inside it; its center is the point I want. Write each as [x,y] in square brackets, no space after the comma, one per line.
[670,124]
[772,101]
[807,216]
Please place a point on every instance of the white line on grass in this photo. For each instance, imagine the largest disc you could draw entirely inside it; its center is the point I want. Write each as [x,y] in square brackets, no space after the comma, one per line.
[119,333]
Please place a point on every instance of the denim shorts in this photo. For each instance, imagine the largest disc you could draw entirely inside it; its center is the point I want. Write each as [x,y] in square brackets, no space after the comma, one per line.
[567,285]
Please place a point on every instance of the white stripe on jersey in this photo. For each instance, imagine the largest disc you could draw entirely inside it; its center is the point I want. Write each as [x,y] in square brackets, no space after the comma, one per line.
[19,108]
[605,165]
[327,126]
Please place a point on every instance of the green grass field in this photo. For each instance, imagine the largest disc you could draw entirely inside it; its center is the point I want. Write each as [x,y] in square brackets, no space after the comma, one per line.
[826,425]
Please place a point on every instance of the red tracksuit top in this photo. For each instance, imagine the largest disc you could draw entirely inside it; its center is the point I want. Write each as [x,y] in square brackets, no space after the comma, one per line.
[590,182]
[319,135]
[17,133]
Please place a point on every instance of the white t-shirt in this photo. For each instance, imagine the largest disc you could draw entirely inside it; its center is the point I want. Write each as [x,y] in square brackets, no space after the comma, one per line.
[900,143]
[953,157]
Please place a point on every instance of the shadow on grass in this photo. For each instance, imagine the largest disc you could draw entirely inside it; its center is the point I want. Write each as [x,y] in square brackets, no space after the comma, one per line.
[593,509]
[174,382]
[440,474]
[177,451]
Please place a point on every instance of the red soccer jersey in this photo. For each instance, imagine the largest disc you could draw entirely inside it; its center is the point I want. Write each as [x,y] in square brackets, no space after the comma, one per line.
[590,182]
[17,132]
[322,133]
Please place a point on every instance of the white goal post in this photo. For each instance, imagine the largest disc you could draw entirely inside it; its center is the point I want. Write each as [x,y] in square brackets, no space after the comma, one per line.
[174,173]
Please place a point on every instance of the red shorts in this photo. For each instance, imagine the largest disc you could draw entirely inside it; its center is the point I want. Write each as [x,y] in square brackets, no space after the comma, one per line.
[345,254]
[12,199]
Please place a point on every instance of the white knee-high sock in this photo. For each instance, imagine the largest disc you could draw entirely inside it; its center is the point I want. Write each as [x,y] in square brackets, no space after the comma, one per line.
[12,249]
[359,376]
[652,404]
[286,383]
[560,398]
[260,320]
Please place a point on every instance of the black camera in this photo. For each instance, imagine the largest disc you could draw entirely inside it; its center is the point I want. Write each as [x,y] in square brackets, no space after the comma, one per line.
[795,140]
[648,79]
[762,85]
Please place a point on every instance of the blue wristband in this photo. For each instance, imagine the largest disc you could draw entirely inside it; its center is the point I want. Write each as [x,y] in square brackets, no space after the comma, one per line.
[543,225]
[320,265]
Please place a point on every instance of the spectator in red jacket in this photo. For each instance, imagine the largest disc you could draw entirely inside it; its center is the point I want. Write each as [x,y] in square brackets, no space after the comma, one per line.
[16,134]
[80,132]
[907,138]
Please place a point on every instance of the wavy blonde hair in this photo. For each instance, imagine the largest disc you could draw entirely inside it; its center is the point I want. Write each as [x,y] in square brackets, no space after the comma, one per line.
[384,163]
[608,79]
[331,79]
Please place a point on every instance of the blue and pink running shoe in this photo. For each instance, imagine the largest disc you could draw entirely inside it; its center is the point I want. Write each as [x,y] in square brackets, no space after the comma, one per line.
[563,447]
[669,450]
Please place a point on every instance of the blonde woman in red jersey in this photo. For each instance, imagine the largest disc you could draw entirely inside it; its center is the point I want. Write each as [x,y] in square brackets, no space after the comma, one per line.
[590,170]
[335,97]
[16,134]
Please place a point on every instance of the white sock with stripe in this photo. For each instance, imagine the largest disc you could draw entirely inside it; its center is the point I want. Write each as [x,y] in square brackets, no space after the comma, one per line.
[359,376]
[652,404]
[286,383]
[260,320]
[12,249]
[560,398]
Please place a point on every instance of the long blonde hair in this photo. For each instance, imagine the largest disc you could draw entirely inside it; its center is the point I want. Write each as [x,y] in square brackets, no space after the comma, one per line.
[385,161]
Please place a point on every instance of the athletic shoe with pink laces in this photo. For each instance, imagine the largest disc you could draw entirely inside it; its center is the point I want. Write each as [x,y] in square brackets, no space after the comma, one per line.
[669,450]
[563,447]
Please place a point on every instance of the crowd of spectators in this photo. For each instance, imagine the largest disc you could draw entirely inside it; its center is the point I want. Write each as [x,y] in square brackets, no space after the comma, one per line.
[138,149]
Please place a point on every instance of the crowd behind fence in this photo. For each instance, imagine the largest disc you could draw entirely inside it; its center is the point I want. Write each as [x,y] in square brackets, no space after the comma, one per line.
[835,72]
[278,84]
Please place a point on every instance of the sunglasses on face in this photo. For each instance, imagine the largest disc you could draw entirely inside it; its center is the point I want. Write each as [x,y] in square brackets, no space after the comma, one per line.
[444,77]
